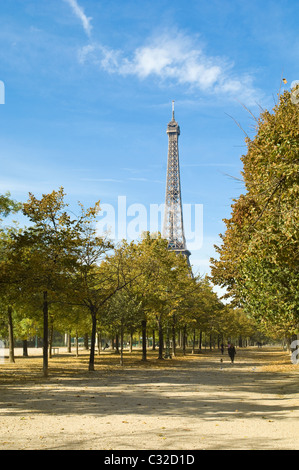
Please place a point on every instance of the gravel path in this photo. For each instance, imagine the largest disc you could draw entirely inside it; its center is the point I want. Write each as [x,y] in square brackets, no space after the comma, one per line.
[197,404]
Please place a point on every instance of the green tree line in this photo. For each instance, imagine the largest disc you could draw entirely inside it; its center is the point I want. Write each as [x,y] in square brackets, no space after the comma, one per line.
[58,274]
[258,259]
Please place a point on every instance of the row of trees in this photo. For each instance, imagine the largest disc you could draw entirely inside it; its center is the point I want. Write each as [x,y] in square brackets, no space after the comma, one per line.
[258,258]
[59,274]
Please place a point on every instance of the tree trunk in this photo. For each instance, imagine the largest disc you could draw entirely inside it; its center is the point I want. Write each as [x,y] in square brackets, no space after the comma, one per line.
[173,340]
[10,335]
[200,340]
[122,346]
[25,348]
[117,343]
[160,340]
[180,338]
[86,342]
[99,343]
[131,341]
[184,340]
[51,334]
[93,341]
[143,328]
[69,343]
[193,342]
[77,344]
[45,335]
[154,341]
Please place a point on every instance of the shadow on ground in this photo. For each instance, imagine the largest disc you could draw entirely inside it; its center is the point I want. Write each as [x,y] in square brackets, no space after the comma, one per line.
[196,386]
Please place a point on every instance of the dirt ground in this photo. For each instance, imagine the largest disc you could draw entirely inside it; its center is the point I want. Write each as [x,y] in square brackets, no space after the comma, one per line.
[187,403]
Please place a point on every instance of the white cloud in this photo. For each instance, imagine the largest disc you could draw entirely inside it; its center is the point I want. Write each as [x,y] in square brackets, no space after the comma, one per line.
[175,57]
[178,59]
[101,180]
[79,12]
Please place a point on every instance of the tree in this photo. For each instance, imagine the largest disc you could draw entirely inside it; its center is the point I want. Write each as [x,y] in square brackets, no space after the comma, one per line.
[99,274]
[59,259]
[258,258]
[39,256]
[122,314]
[7,207]
[158,285]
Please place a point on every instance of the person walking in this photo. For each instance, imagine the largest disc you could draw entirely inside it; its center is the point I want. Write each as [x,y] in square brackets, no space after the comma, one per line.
[231,352]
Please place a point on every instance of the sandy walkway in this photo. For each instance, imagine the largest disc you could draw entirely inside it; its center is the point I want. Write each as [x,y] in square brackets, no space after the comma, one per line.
[193,404]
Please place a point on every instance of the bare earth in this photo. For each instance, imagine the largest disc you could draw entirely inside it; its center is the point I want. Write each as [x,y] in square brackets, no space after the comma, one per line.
[187,403]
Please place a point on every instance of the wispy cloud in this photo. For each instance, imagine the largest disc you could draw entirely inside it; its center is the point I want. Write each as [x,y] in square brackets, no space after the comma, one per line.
[146,180]
[191,165]
[172,57]
[101,180]
[175,58]
[79,12]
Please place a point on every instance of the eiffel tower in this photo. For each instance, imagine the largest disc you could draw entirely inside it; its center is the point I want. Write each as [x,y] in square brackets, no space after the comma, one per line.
[173,227]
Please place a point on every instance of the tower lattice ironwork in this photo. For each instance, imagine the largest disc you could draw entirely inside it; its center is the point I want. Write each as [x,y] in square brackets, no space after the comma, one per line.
[173,227]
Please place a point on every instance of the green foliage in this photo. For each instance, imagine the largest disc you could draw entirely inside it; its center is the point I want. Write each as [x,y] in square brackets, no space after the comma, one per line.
[259,255]
[8,205]
[60,275]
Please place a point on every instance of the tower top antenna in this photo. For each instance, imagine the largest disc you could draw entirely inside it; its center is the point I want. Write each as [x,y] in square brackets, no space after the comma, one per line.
[173,110]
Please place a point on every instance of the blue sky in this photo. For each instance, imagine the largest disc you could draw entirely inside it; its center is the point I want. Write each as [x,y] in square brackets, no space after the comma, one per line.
[89,86]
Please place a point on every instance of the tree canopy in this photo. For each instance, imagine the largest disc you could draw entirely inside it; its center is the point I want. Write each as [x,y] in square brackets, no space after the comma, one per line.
[259,254]
[58,273]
